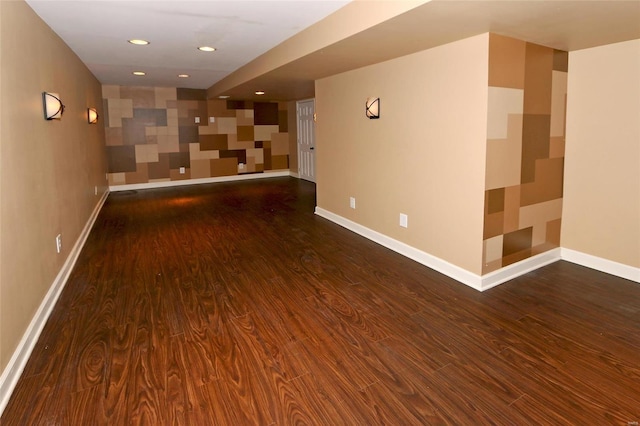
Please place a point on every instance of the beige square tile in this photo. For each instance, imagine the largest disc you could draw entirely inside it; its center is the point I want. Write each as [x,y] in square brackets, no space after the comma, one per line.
[114,113]
[172,117]
[162,130]
[117,178]
[211,155]
[151,131]
[146,153]
[250,166]
[539,234]
[194,150]
[263,133]
[558,102]
[506,61]
[556,147]
[511,218]
[541,213]
[493,249]
[227,125]
[211,129]
[537,79]
[280,144]
[548,186]
[504,157]
[168,144]
[554,228]
[491,266]
[257,154]
[126,108]
[244,117]
[196,154]
[141,175]
[164,94]
[110,91]
[502,103]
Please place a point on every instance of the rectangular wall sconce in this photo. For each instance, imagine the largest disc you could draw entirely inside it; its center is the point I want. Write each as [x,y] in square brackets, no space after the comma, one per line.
[373,108]
[52,105]
[92,115]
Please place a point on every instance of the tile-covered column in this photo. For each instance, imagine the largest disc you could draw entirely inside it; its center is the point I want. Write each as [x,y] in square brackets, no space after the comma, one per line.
[525,151]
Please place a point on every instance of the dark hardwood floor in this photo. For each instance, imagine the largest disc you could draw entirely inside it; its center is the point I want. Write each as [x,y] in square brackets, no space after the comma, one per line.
[233,304]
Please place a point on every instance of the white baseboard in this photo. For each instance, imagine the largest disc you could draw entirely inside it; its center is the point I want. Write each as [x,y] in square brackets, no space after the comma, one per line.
[491,279]
[18,361]
[514,270]
[433,262]
[166,184]
[602,265]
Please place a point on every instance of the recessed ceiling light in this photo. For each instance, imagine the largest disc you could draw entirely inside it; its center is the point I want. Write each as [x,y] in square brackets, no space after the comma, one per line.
[206,48]
[183,75]
[139,42]
[259,92]
[139,73]
[224,96]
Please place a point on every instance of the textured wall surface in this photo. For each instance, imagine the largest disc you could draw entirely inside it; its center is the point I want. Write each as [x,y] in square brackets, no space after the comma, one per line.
[151,133]
[525,151]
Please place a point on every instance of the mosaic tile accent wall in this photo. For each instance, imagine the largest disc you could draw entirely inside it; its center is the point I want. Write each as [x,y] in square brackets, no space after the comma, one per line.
[525,151]
[151,132]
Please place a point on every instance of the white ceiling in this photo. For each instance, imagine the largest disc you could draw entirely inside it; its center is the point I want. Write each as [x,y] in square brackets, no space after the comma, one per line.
[98,30]
[245,30]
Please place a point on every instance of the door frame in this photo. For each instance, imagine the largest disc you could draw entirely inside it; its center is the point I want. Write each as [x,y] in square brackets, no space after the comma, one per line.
[298,144]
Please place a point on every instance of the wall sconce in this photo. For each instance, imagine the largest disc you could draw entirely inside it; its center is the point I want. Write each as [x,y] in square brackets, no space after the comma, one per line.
[92,115]
[53,107]
[373,108]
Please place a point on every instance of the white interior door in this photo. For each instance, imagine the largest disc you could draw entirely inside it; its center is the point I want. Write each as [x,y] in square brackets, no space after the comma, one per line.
[306,140]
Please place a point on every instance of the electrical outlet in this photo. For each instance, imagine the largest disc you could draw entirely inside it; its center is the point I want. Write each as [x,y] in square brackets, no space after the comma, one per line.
[241,166]
[352,202]
[182,170]
[197,120]
[212,119]
[404,220]
[58,243]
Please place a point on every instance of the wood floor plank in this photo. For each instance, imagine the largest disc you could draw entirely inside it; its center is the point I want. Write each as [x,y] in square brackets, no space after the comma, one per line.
[118,373]
[234,304]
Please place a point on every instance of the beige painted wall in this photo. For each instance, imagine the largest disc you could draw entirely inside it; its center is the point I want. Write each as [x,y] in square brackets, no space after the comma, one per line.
[48,169]
[424,157]
[601,210]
